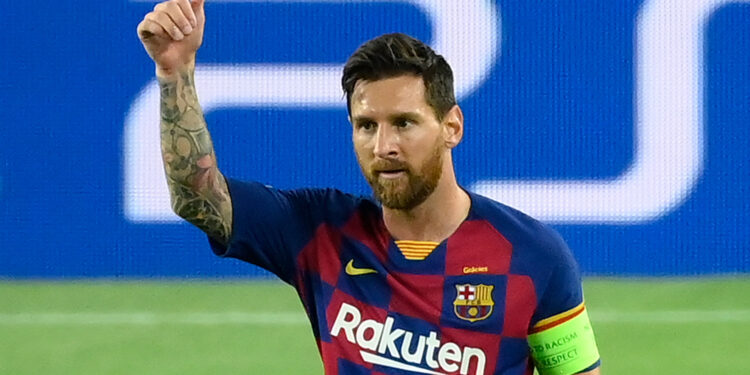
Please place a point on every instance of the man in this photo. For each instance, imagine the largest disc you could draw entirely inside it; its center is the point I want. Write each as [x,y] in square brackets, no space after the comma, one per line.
[426,279]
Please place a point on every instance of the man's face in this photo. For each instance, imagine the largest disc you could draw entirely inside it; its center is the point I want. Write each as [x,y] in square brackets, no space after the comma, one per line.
[397,139]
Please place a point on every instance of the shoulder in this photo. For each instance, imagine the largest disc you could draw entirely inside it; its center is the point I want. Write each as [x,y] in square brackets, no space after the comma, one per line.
[538,252]
[334,205]
[532,241]
[318,204]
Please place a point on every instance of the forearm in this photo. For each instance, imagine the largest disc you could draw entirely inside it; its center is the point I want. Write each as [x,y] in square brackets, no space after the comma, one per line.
[198,191]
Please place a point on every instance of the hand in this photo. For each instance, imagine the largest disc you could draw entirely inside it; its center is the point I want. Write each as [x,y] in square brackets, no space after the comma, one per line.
[172,34]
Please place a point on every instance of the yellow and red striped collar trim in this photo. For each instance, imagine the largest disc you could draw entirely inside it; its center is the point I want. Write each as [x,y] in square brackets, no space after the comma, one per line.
[416,250]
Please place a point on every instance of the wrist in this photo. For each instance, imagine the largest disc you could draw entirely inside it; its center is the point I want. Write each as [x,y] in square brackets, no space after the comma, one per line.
[163,73]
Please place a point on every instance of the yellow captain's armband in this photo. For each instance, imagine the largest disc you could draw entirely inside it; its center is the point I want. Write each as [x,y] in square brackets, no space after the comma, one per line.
[564,344]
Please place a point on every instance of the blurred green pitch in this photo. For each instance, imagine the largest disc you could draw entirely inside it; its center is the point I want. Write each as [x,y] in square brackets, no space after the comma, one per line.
[652,326]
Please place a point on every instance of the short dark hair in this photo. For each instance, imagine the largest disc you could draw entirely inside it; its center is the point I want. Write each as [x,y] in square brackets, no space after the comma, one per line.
[392,55]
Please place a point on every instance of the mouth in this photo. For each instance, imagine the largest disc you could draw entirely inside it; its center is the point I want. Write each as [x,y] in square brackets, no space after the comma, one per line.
[391,173]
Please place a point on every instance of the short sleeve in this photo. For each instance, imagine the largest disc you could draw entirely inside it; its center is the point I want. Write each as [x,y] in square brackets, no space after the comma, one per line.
[561,338]
[270,226]
[563,293]
[563,290]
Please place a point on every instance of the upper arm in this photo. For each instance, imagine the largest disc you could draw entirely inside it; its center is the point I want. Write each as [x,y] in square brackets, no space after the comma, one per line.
[561,337]
[270,227]
[592,372]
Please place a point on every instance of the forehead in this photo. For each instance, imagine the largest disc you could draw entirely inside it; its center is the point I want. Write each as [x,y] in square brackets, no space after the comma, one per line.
[405,93]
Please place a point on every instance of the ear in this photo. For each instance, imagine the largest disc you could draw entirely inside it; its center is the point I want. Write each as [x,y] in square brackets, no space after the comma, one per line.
[453,127]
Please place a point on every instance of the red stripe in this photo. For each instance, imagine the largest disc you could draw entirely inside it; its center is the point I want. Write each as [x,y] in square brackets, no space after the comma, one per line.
[555,323]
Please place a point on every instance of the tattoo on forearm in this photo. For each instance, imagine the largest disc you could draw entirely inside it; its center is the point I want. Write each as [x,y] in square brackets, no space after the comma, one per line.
[198,190]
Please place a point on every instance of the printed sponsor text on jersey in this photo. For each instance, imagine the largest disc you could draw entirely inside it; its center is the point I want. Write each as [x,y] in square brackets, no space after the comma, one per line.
[378,341]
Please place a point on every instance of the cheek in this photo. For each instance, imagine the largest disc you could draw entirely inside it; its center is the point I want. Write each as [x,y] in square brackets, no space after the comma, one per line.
[361,151]
[422,149]
[362,144]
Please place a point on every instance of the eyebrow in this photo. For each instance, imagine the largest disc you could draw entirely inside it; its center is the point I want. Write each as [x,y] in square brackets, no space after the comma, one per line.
[395,116]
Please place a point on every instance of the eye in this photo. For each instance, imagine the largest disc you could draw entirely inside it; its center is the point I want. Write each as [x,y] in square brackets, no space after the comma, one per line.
[367,125]
[403,122]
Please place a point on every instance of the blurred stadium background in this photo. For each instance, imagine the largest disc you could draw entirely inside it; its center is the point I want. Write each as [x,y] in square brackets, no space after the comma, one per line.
[623,124]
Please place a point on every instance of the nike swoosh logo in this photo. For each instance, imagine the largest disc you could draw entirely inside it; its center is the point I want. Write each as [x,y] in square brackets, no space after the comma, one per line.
[354,271]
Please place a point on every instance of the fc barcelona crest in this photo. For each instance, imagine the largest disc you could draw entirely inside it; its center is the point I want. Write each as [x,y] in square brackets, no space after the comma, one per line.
[473,302]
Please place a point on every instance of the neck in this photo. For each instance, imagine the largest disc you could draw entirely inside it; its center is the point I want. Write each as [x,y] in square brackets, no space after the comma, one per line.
[436,218]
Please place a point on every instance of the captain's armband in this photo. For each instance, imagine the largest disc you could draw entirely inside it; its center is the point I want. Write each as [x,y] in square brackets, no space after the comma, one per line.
[564,344]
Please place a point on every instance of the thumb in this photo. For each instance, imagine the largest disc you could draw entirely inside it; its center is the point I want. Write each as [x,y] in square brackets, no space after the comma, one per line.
[197,6]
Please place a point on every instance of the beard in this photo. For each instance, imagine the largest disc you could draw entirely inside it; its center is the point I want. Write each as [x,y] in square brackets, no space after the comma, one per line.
[398,194]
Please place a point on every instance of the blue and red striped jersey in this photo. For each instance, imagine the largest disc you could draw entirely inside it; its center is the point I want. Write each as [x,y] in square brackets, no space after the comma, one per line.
[466,307]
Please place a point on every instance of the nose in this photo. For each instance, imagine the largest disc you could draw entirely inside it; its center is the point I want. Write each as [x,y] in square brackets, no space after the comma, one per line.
[386,142]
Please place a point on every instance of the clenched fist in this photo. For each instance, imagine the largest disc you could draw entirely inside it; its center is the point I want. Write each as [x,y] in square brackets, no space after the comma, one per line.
[172,33]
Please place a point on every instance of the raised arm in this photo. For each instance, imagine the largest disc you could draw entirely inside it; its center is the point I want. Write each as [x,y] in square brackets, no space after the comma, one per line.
[172,34]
